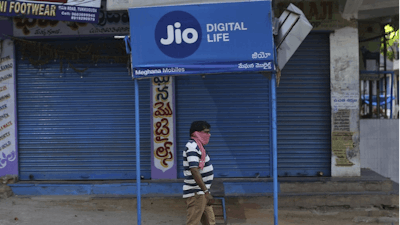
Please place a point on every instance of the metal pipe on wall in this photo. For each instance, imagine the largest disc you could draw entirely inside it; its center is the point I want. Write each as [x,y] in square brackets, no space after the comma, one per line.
[137,126]
[378,99]
[274,147]
[370,112]
[384,68]
[391,96]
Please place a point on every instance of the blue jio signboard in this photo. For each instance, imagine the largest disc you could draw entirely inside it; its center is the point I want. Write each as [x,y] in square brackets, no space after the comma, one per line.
[201,38]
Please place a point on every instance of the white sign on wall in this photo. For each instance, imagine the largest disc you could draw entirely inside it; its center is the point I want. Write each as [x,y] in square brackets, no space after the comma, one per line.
[345,100]
[110,24]
[8,152]
[163,128]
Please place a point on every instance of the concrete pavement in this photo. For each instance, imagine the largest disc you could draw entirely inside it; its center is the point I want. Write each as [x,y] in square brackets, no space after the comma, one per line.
[102,210]
[369,199]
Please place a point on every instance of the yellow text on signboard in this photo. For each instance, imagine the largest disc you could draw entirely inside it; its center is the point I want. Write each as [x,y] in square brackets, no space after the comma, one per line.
[27,8]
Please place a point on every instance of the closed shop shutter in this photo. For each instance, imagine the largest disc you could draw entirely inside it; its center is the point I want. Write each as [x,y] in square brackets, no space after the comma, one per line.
[304,110]
[238,109]
[237,106]
[80,126]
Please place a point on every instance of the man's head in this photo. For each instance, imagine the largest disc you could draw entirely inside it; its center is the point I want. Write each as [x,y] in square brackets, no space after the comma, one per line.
[199,126]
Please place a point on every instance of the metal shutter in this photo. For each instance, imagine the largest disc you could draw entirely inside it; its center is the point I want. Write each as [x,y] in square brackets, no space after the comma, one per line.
[304,110]
[73,128]
[237,106]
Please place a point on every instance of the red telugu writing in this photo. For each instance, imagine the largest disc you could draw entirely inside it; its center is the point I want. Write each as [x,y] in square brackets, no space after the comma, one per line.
[161,128]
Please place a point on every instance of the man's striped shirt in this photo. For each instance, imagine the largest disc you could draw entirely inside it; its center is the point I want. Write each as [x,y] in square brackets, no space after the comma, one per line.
[191,159]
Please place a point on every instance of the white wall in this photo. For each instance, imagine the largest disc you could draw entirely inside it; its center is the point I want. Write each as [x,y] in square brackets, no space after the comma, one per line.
[379,146]
[344,59]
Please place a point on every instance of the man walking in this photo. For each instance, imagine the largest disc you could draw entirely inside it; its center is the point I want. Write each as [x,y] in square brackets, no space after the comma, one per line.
[199,175]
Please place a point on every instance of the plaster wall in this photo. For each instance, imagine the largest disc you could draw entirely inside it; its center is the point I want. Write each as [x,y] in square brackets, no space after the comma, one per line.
[344,51]
[379,146]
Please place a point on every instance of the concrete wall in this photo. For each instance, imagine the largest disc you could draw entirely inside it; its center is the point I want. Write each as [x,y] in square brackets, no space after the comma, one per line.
[379,146]
[344,51]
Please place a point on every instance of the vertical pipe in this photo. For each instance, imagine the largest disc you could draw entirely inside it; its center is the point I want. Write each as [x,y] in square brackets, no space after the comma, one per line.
[359,100]
[271,142]
[365,86]
[378,99]
[384,68]
[391,96]
[137,126]
[275,147]
[385,94]
[370,109]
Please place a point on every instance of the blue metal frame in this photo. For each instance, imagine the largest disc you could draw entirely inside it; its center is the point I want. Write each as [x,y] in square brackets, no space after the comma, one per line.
[391,96]
[275,146]
[391,90]
[271,144]
[273,140]
[397,90]
[274,149]
[127,44]
[223,206]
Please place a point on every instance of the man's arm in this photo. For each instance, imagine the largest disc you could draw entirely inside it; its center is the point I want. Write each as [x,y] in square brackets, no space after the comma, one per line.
[199,180]
[197,177]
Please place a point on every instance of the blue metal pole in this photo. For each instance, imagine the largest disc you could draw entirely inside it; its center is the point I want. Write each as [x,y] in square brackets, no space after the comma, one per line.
[391,97]
[374,72]
[274,147]
[137,125]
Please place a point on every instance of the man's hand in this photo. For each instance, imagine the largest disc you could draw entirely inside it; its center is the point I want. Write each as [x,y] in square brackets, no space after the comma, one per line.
[197,177]
[210,199]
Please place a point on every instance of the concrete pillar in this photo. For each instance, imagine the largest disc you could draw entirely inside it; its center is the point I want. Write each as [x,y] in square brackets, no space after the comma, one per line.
[345,135]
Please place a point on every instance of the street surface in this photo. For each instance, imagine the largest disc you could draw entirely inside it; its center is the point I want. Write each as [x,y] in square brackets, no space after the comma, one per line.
[63,210]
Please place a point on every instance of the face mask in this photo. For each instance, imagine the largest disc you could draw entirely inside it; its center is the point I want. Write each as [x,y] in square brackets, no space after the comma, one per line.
[203,137]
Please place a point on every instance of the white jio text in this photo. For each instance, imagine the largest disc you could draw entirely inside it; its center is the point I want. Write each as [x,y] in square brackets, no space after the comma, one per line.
[223,27]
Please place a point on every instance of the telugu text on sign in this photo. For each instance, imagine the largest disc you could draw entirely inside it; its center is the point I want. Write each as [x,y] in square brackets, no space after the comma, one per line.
[163,131]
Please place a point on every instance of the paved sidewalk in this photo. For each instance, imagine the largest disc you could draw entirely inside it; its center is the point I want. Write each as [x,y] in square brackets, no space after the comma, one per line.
[63,210]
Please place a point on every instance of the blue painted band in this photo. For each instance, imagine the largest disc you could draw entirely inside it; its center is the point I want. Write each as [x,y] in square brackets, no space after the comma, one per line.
[148,189]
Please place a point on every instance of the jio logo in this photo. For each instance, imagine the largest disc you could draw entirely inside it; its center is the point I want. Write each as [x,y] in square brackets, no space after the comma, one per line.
[178,34]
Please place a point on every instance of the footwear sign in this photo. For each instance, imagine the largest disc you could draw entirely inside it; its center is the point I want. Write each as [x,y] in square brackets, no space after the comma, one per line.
[62,10]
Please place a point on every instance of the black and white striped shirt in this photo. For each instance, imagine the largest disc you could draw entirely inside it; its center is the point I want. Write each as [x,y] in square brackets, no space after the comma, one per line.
[191,159]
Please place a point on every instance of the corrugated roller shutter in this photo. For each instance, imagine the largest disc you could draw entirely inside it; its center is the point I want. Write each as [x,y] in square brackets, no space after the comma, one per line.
[304,111]
[80,128]
[237,108]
